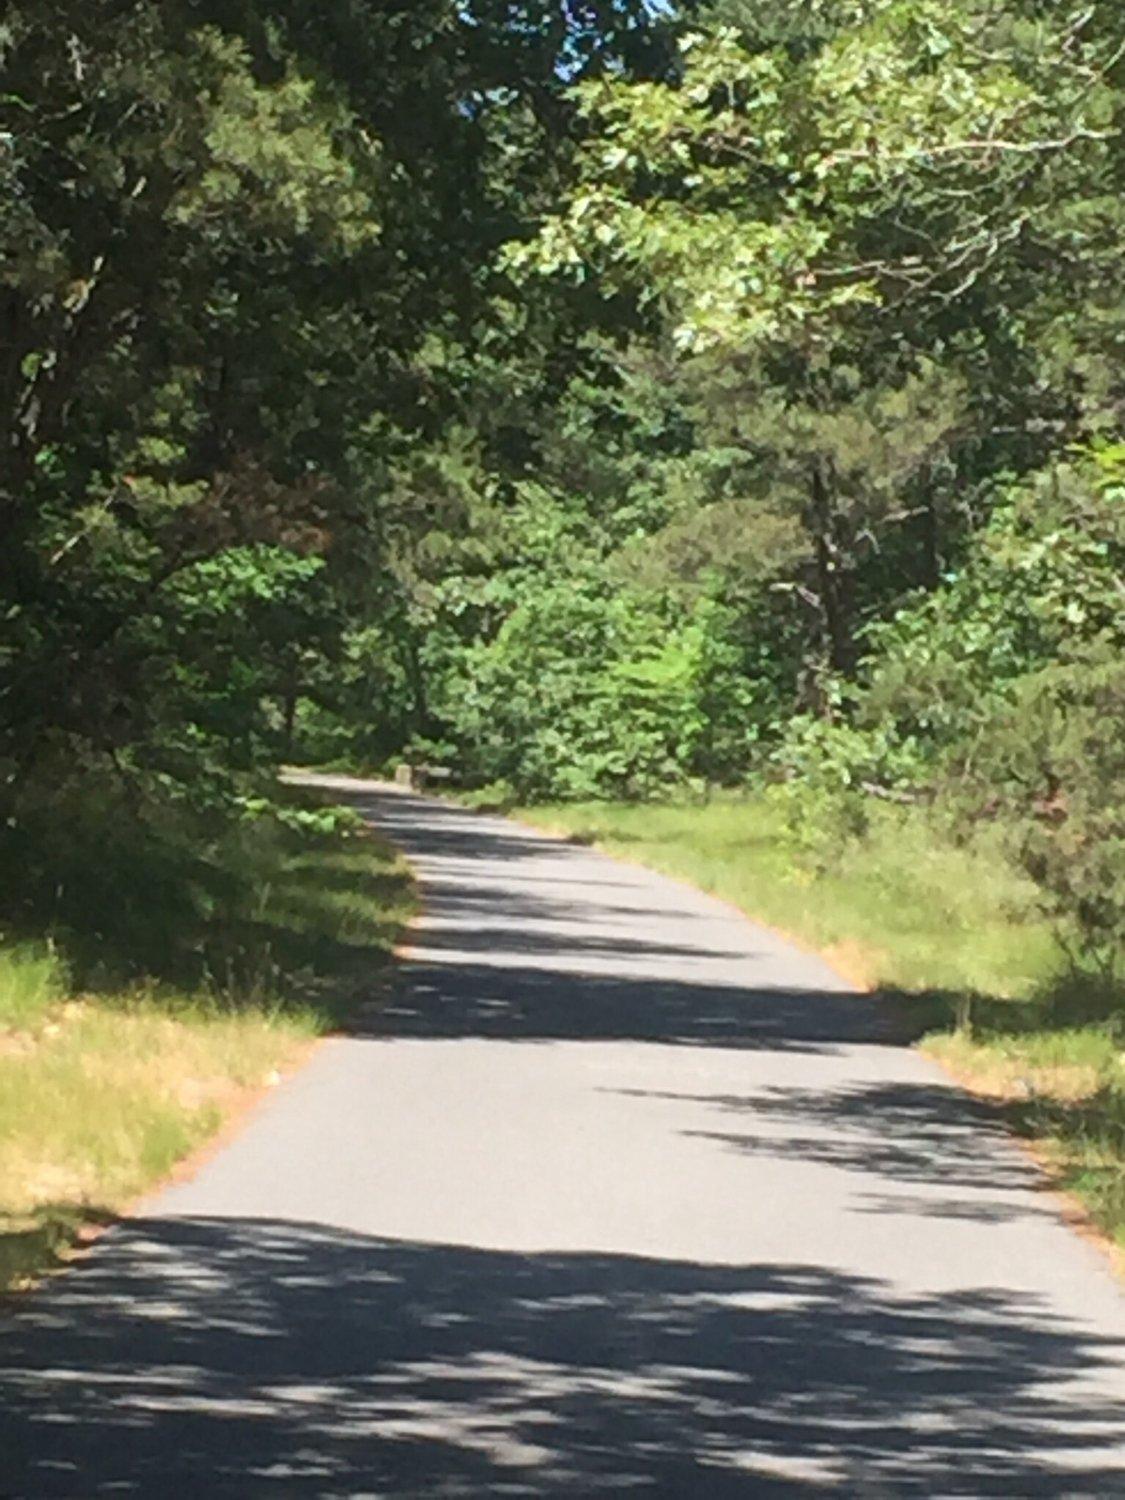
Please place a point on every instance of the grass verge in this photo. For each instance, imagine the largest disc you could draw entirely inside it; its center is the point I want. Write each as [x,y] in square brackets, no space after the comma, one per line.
[954,932]
[108,1077]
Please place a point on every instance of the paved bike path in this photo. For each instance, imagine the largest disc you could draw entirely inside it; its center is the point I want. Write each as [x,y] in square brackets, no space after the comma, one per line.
[619,1193]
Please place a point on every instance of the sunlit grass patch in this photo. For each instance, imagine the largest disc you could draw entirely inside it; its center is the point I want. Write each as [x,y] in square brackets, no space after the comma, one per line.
[902,908]
[104,1104]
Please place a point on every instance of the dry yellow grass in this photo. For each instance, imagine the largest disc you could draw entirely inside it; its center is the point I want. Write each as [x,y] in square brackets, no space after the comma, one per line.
[1013,1075]
[101,1103]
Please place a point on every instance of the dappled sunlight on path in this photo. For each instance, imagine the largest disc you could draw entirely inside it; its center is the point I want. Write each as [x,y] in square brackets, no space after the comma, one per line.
[288,1359]
[614,1193]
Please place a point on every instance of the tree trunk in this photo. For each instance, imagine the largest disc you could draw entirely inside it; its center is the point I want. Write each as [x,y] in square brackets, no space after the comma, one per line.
[289,712]
[931,558]
[417,685]
[835,573]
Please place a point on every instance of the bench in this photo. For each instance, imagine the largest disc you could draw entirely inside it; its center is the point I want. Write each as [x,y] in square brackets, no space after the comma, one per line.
[417,778]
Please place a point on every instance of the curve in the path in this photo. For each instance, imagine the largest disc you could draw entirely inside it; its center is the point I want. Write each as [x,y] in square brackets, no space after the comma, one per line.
[619,1193]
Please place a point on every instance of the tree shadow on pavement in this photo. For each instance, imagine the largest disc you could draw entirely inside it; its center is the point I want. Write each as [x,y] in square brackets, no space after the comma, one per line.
[908,1132]
[889,1136]
[262,1358]
[517,1002]
[519,940]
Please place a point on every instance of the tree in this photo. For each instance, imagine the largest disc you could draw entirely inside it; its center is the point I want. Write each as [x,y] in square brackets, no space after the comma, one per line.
[848,224]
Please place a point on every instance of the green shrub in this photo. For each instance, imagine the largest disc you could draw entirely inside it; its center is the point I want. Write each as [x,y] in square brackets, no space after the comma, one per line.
[33,978]
[1055,765]
[1001,697]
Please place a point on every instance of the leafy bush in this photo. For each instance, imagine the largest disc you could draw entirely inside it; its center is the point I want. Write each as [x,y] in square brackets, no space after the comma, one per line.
[1002,694]
[580,695]
[32,979]
[1041,584]
[1055,765]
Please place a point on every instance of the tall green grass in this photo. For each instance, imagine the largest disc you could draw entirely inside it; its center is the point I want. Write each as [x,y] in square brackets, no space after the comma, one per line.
[33,978]
[904,906]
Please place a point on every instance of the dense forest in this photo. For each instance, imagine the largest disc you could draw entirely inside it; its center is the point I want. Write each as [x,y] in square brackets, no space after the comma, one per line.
[598,398]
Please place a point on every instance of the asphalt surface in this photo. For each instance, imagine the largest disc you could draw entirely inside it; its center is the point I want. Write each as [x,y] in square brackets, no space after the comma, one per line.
[618,1194]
